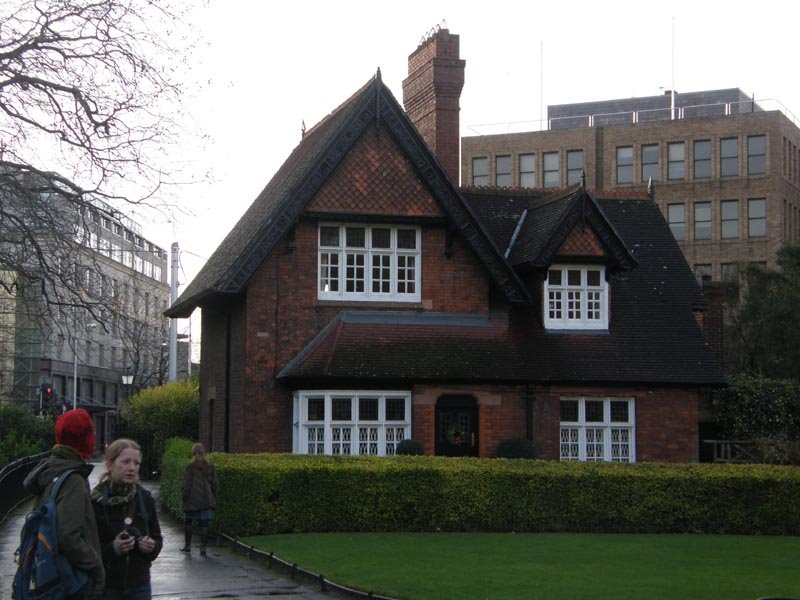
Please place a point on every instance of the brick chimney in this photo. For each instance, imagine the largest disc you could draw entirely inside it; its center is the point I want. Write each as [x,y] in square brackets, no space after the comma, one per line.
[431,94]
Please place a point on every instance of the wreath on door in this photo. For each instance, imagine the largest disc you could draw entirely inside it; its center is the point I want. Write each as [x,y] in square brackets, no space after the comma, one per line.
[455,435]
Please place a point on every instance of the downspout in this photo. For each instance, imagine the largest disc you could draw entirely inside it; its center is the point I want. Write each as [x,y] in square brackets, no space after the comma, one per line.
[227,383]
[529,399]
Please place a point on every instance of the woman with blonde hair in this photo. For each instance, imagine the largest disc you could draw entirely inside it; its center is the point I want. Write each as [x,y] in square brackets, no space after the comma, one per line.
[130,535]
[199,493]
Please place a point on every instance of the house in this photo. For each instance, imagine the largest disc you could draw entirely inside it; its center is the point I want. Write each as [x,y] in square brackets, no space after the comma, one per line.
[364,298]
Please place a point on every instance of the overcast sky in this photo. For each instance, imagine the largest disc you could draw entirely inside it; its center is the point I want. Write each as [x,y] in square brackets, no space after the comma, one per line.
[264,68]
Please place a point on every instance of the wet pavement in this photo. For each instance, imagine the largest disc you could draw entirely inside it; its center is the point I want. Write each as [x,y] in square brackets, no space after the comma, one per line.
[221,574]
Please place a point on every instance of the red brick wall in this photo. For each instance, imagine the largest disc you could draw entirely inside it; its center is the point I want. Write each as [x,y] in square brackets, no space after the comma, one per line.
[431,94]
[220,374]
[282,310]
[666,421]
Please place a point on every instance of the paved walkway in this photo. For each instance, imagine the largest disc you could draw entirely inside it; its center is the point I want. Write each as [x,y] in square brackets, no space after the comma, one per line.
[223,573]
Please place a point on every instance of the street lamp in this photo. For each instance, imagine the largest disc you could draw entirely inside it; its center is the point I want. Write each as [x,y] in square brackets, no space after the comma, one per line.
[127,381]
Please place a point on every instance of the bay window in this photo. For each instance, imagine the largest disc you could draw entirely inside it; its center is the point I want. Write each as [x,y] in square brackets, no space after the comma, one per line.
[370,423]
[597,430]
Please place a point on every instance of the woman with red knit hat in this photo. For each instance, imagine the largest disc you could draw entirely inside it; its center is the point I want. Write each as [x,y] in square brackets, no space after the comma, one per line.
[77,530]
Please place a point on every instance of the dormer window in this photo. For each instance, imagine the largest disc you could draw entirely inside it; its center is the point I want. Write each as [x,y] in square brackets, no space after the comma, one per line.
[369,262]
[576,297]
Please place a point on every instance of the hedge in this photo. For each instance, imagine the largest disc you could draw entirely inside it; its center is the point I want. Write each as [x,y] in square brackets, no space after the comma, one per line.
[280,493]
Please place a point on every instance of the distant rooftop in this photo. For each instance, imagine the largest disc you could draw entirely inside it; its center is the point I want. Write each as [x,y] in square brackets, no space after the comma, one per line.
[644,109]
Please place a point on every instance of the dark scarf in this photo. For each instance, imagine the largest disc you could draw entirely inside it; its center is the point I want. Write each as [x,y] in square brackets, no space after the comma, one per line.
[108,493]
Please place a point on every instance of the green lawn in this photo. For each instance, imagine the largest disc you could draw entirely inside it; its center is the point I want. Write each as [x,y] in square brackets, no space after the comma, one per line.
[439,566]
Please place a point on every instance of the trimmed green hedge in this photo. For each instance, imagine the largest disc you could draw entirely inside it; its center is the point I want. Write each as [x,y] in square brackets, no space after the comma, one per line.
[280,493]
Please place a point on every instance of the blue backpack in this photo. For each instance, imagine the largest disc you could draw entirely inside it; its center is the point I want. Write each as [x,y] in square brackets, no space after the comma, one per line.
[43,573]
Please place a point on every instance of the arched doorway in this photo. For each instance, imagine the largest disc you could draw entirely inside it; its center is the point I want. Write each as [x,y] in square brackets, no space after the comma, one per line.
[456,426]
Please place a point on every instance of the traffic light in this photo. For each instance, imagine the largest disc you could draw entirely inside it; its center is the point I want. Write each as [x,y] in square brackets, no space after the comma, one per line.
[47,392]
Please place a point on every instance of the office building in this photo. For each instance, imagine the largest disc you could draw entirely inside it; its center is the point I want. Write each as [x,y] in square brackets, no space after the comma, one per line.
[725,167]
[81,324]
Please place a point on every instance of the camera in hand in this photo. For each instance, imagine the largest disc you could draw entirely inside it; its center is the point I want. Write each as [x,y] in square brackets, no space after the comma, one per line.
[131,532]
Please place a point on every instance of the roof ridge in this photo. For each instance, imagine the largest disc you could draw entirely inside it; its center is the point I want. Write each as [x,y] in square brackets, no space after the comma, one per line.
[326,118]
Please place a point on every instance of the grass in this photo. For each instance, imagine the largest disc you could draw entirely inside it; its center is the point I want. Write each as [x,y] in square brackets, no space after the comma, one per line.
[508,566]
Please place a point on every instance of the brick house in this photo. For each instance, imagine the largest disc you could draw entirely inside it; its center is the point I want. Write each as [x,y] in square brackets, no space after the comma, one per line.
[364,298]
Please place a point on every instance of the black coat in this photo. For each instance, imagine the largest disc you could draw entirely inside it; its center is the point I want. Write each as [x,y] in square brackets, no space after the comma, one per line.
[132,569]
[199,489]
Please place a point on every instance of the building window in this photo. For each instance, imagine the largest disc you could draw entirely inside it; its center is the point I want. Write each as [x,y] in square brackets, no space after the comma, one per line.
[729,157]
[369,262]
[480,171]
[702,159]
[574,166]
[730,272]
[350,423]
[702,220]
[676,163]
[676,215]
[552,177]
[502,172]
[757,218]
[597,430]
[756,155]
[576,298]
[625,164]
[729,219]
[527,170]
[702,273]
[650,162]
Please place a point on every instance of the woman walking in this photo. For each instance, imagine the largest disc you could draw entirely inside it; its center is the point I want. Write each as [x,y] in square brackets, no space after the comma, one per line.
[130,535]
[199,495]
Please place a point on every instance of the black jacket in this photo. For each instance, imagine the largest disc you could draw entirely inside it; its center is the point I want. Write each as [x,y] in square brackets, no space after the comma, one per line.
[199,487]
[132,569]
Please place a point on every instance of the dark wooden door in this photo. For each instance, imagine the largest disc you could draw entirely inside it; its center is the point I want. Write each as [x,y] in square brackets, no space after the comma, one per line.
[456,426]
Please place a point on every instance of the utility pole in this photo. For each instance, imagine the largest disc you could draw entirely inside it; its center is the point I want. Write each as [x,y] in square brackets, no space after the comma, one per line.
[173,323]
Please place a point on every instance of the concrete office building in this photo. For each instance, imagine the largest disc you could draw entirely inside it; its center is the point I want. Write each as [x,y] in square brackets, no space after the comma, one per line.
[726,170]
[95,351]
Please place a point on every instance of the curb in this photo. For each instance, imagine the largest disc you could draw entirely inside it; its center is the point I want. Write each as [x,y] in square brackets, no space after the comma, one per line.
[295,572]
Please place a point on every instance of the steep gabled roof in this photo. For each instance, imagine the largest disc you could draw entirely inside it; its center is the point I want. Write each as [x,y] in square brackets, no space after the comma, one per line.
[653,337]
[283,200]
[551,220]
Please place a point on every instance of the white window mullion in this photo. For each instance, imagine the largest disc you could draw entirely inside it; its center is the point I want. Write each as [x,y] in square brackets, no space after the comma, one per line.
[354,435]
[379,261]
[606,440]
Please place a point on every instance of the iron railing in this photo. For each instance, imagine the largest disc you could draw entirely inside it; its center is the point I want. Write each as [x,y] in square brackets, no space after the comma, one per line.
[12,493]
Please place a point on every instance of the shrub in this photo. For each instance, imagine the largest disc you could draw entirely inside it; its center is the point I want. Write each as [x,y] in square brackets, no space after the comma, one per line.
[409,448]
[516,448]
[22,433]
[755,407]
[284,493]
[177,455]
[164,412]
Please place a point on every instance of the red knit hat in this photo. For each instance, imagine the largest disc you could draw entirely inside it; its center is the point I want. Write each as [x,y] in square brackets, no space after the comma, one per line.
[75,429]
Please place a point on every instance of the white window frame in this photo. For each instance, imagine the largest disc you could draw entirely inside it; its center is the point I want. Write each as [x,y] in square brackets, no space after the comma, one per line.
[598,441]
[353,436]
[333,279]
[568,306]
